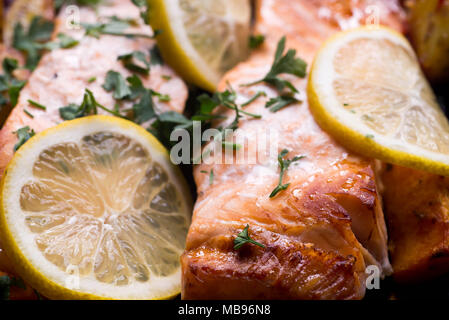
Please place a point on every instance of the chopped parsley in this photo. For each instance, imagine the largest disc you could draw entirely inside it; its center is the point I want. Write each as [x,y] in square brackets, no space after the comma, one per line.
[144,109]
[143,8]
[23,134]
[37,105]
[255,41]
[253,98]
[9,85]
[155,56]
[136,61]
[64,42]
[283,165]
[92,79]
[244,238]
[279,102]
[32,42]
[115,27]
[89,106]
[115,82]
[284,64]
[28,113]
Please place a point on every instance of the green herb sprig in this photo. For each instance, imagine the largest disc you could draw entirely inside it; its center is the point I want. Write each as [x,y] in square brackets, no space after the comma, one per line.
[283,64]
[23,134]
[255,41]
[31,42]
[9,85]
[114,27]
[244,238]
[279,102]
[283,165]
[136,61]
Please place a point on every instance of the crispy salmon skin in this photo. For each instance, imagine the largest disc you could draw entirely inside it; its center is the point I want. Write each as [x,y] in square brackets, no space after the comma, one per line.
[323,230]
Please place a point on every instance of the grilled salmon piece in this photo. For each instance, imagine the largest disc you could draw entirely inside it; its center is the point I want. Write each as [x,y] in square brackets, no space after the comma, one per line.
[417,212]
[320,233]
[63,74]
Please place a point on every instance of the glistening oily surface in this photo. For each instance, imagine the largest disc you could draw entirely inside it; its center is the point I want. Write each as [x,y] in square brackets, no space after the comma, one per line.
[101,205]
[327,226]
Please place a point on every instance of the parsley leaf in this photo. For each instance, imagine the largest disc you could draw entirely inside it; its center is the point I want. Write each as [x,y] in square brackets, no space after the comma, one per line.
[88,106]
[143,7]
[136,61]
[14,89]
[73,111]
[167,122]
[256,41]
[65,42]
[277,103]
[136,87]
[31,42]
[9,86]
[9,65]
[253,98]
[144,109]
[244,238]
[23,134]
[155,56]
[283,164]
[115,27]
[284,64]
[115,82]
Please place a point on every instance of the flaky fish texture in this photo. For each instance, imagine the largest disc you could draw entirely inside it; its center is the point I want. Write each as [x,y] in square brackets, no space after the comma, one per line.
[320,233]
[417,213]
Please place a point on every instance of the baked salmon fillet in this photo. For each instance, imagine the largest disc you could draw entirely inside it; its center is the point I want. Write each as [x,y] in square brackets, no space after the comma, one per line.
[63,75]
[417,212]
[320,233]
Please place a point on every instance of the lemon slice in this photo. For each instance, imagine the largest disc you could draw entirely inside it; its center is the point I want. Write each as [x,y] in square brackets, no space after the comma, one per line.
[202,39]
[367,90]
[93,208]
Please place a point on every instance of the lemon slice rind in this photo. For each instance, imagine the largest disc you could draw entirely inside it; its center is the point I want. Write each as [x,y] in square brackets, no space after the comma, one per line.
[346,127]
[20,246]
[176,47]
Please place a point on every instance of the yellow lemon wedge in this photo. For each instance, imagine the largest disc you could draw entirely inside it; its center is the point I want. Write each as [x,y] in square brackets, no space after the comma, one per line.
[94,209]
[367,90]
[201,39]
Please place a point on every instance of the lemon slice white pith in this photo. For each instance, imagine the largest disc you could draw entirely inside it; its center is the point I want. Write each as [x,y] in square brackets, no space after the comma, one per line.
[93,208]
[202,39]
[366,89]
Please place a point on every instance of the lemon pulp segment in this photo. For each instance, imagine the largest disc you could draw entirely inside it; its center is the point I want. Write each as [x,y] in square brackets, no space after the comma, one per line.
[103,208]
